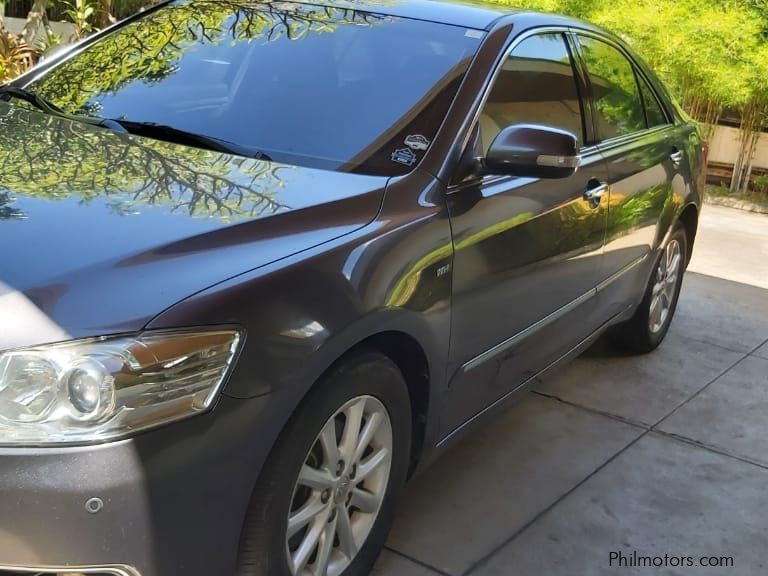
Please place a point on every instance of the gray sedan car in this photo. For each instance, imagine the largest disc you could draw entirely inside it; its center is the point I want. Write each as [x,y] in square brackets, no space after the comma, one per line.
[263,261]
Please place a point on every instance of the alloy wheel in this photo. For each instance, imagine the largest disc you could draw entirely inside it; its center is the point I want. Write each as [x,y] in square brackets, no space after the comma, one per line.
[340,488]
[662,298]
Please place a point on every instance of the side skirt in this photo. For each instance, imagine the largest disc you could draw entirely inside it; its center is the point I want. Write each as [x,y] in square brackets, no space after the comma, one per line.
[513,396]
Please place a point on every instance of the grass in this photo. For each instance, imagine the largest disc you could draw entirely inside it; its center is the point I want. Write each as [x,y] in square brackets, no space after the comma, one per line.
[753,200]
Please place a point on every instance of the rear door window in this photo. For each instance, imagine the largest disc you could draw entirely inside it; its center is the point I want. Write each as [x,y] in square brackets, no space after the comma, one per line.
[653,112]
[618,106]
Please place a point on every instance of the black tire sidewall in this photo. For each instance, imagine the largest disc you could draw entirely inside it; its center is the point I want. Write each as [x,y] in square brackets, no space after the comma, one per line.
[262,548]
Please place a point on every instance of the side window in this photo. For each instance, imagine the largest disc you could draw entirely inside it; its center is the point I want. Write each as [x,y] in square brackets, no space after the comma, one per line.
[653,112]
[618,107]
[536,85]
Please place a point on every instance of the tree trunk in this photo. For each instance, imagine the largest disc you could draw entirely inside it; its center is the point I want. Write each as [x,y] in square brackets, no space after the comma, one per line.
[756,130]
[103,16]
[37,20]
[751,121]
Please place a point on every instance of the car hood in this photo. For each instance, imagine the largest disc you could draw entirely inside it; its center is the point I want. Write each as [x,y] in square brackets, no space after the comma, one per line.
[101,231]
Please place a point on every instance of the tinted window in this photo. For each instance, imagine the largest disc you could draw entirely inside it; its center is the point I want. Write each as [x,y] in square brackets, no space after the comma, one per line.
[619,109]
[536,85]
[653,111]
[311,85]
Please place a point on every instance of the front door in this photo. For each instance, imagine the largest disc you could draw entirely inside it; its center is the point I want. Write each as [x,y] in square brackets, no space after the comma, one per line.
[527,251]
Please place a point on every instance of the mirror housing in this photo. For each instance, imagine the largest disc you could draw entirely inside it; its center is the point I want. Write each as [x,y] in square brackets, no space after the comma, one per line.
[533,151]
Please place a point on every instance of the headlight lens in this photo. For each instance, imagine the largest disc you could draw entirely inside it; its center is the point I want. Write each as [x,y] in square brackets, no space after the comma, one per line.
[96,390]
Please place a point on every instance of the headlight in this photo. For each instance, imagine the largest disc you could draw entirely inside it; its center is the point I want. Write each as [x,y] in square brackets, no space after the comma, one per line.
[95,390]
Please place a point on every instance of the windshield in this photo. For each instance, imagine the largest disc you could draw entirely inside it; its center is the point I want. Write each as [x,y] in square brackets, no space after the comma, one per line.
[309,85]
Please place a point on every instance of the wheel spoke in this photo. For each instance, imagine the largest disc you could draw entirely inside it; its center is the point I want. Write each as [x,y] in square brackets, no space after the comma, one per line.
[367,435]
[344,532]
[303,553]
[329,443]
[373,461]
[364,501]
[324,548]
[671,280]
[303,515]
[655,305]
[343,482]
[315,478]
[669,289]
[354,414]
[674,264]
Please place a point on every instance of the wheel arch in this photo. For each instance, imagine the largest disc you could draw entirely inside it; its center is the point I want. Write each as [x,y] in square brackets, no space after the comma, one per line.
[405,339]
[409,356]
[689,218]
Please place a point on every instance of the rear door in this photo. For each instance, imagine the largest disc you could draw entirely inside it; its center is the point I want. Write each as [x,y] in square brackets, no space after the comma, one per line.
[636,137]
[527,251]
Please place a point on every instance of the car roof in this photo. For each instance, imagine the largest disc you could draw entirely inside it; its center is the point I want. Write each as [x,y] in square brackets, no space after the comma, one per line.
[478,14]
[467,13]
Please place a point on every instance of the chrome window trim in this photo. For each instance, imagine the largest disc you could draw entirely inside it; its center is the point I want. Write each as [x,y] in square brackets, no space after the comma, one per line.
[114,569]
[498,68]
[638,70]
[618,141]
[588,149]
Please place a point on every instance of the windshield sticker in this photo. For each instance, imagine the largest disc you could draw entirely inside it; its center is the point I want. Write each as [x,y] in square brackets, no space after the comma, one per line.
[404,156]
[417,142]
[474,34]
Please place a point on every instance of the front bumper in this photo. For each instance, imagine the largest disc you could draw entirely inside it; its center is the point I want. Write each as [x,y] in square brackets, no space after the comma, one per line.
[172,500]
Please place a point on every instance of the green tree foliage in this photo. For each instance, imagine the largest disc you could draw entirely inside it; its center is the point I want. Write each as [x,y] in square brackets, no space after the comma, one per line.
[705,50]
[56,159]
[151,47]
[712,54]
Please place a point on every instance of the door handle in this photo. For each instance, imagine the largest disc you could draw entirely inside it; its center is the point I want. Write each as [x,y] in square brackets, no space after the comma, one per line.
[595,193]
[676,157]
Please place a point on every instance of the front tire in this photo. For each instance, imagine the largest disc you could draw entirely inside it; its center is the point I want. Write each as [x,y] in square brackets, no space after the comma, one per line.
[650,323]
[324,502]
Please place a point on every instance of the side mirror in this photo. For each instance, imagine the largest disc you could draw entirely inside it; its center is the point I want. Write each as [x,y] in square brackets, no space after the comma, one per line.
[533,151]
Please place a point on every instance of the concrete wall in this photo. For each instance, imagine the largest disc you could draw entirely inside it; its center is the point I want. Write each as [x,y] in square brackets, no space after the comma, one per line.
[724,147]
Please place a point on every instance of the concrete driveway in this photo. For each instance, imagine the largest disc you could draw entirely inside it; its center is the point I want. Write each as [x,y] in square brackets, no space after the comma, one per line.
[665,454]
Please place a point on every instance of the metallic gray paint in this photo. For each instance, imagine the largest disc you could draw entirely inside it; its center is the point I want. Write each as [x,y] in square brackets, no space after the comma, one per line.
[350,258]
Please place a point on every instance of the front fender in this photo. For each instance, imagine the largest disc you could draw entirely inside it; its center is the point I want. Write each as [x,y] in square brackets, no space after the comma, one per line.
[304,312]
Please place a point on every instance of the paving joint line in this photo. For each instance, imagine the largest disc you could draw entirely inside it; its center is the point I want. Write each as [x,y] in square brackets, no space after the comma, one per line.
[646,430]
[709,448]
[753,353]
[616,417]
[416,561]
[707,385]
[709,343]
[487,557]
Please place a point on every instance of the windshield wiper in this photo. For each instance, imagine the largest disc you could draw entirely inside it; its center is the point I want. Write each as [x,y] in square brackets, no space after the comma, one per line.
[9,92]
[147,129]
[179,136]
[31,97]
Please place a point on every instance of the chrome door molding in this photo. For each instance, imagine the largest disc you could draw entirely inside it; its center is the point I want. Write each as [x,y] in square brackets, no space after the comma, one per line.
[505,345]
